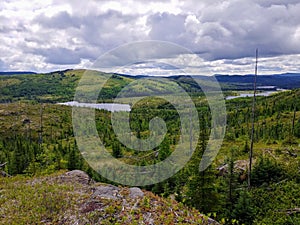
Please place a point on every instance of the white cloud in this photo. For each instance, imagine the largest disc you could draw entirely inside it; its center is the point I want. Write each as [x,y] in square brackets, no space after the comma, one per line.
[54,34]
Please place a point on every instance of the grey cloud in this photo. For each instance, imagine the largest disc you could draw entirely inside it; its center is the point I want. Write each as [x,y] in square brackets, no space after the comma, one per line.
[7,26]
[86,52]
[3,66]
[105,30]
[219,29]
[59,56]
[153,65]
[229,30]
[166,26]
[226,30]
[110,29]
[239,62]
[61,20]
[268,3]
[139,52]
[97,33]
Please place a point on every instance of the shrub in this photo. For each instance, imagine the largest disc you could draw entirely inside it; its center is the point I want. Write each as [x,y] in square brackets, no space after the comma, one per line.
[266,171]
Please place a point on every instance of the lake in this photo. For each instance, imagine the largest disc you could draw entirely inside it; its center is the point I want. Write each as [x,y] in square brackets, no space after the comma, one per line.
[112,107]
[265,93]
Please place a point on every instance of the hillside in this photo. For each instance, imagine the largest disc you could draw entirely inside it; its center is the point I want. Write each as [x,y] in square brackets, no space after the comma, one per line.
[74,198]
[51,87]
[60,86]
[16,73]
[37,140]
[245,82]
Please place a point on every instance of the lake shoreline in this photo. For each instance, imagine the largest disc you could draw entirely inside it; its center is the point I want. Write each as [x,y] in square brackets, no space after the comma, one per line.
[264,93]
[112,107]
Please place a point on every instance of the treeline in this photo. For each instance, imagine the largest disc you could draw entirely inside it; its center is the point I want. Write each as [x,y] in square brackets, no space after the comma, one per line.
[59,86]
[52,87]
[276,118]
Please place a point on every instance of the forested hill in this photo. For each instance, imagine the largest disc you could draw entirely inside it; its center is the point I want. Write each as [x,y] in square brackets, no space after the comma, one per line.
[238,82]
[285,81]
[16,73]
[60,86]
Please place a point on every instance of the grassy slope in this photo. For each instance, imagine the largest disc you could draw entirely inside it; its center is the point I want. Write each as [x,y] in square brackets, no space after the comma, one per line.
[64,199]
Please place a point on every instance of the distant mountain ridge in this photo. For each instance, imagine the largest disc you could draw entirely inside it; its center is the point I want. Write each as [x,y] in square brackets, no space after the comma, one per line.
[235,82]
[286,80]
[16,73]
[59,86]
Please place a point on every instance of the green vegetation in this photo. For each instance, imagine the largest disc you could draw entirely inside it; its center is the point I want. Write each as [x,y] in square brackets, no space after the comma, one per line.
[36,138]
[26,201]
[69,198]
[53,87]
[56,86]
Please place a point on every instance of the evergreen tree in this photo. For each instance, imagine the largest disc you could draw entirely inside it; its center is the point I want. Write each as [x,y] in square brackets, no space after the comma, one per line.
[266,171]
[164,150]
[72,160]
[117,151]
[18,158]
[202,193]
[230,186]
[246,148]
[244,209]
[297,129]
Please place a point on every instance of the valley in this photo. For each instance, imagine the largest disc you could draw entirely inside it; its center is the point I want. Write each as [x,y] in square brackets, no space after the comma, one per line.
[37,140]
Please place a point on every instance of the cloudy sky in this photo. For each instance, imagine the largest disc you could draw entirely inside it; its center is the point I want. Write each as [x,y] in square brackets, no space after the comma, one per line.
[50,35]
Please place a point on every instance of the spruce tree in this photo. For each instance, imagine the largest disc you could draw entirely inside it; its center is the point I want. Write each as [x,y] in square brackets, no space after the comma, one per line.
[202,193]
[72,160]
[117,151]
[164,150]
[244,209]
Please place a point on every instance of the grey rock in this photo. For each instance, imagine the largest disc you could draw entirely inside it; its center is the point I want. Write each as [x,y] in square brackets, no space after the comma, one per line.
[109,192]
[78,176]
[136,193]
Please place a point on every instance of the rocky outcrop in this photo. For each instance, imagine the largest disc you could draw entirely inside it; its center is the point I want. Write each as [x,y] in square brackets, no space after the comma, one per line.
[136,193]
[109,192]
[74,198]
[108,204]
[77,176]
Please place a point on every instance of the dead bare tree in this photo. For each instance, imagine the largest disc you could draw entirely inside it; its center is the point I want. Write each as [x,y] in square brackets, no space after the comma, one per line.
[41,126]
[293,121]
[253,118]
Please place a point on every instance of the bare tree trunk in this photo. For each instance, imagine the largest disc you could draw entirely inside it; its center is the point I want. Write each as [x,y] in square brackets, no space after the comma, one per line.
[41,126]
[253,118]
[293,122]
